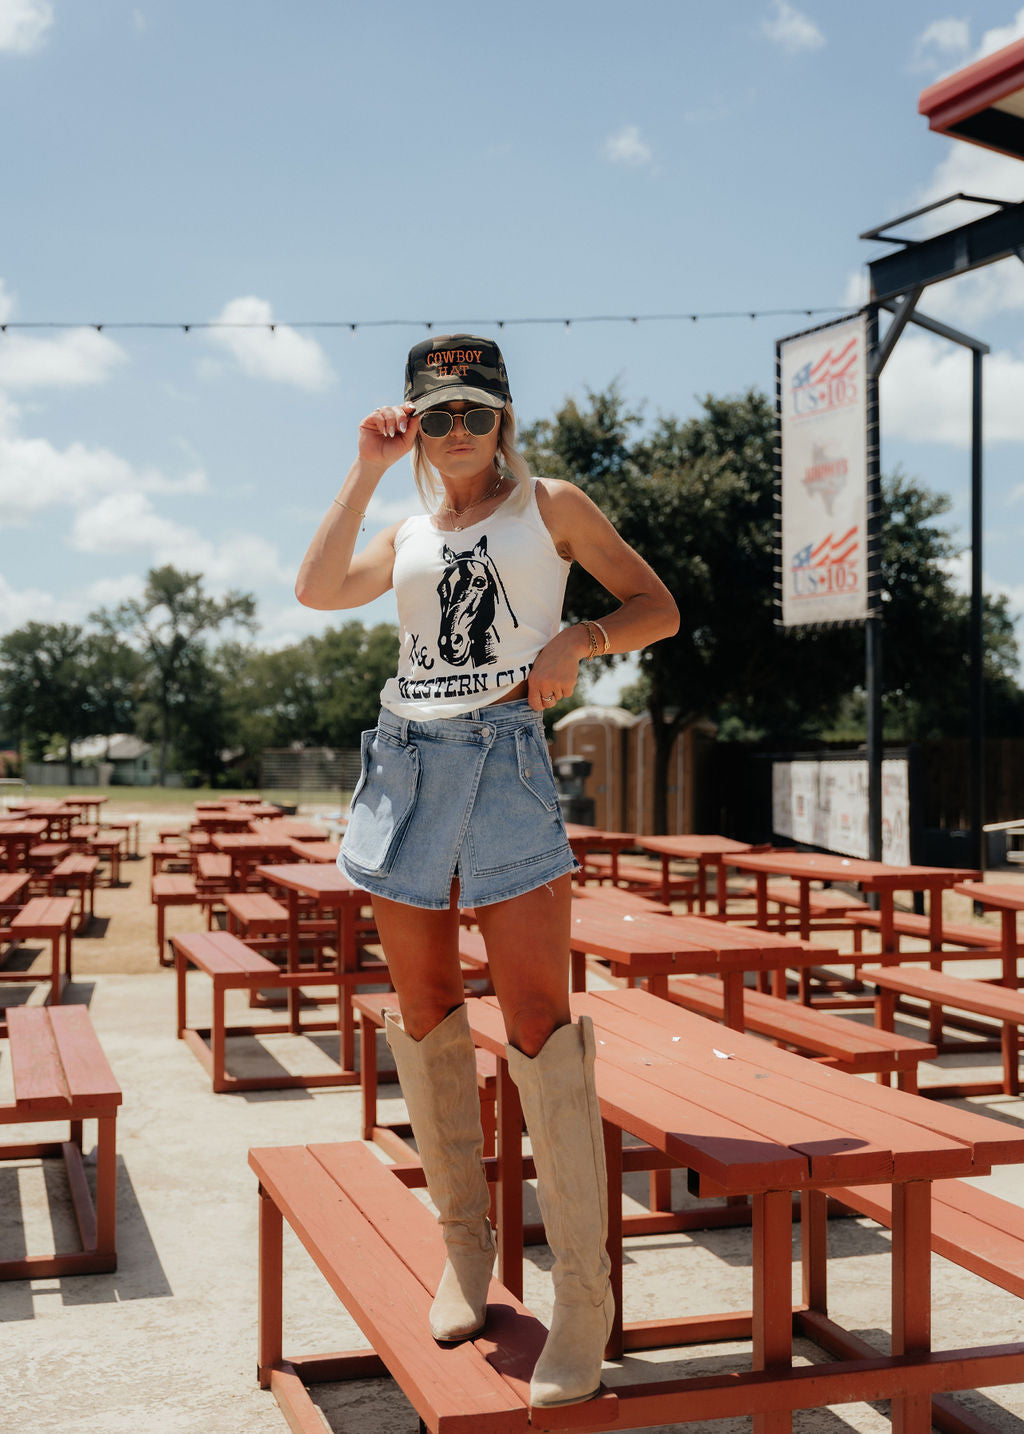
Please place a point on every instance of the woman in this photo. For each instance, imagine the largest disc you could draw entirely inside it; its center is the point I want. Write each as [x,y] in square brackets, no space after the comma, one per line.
[456,805]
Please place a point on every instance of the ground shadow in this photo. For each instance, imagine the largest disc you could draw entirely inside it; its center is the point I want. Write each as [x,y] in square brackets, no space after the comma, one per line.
[94,928]
[139,1275]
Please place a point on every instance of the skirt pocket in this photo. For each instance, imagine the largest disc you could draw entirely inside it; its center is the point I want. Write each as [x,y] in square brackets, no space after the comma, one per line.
[382,803]
[535,767]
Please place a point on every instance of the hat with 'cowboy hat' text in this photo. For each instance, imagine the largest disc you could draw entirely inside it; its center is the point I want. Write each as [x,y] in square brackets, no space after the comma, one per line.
[455,368]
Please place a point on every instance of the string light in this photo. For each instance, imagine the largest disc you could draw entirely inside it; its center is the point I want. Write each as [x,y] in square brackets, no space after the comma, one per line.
[271,326]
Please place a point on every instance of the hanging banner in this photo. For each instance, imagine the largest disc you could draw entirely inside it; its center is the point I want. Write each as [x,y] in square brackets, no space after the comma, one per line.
[822,403]
[825,804]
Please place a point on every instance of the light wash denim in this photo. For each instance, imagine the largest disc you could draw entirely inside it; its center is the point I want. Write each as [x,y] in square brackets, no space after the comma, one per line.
[471,797]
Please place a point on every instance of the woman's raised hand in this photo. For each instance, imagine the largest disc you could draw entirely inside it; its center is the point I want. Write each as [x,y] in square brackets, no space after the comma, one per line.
[386,434]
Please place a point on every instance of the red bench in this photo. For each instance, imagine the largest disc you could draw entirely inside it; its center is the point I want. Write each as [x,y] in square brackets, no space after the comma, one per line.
[638,877]
[828,907]
[939,990]
[107,846]
[79,871]
[234,966]
[371,1008]
[167,890]
[47,918]
[971,936]
[59,1073]
[830,1039]
[381,1251]
[13,893]
[252,915]
[169,854]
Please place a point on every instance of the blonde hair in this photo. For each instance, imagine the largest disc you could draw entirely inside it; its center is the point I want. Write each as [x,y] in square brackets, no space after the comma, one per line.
[507,458]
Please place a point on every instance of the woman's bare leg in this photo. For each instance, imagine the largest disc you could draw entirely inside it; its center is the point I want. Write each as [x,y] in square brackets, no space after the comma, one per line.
[422,951]
[527,940]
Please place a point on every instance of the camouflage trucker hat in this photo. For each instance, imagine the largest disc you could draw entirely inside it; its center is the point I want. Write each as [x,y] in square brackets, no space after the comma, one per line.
[455,368]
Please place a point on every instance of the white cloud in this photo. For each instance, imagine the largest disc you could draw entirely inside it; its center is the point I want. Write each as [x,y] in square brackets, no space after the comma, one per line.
[967,169]
[944,42]
[970,169]
[945,45]
[24,25]
[1001,35]
[35,475]
[926,394]
[627,146]
[282,355]
[969,299]
[73,359]
[392,510]
[21,605]
[124,523]
[792,29]
[128,522]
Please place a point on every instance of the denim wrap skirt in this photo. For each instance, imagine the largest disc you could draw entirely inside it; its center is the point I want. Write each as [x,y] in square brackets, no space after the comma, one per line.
[471,797]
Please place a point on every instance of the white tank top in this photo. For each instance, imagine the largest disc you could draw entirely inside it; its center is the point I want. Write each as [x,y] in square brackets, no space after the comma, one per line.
[474,609]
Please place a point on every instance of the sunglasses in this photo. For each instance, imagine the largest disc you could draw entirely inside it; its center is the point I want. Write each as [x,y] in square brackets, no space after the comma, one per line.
[437,422]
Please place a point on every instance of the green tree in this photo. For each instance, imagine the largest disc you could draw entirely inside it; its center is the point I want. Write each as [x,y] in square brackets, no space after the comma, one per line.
[352,664]
[697,499]
[58,680]
[169,624]
[320,692]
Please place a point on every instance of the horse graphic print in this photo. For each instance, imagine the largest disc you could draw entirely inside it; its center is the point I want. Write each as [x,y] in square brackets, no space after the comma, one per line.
[471,594]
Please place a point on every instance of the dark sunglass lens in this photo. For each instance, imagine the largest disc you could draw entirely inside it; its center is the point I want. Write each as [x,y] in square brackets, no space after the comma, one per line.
[435,423]
[479,421]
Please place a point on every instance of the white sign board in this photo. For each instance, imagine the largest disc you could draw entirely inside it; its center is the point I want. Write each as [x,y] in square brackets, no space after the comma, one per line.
[823,426]
[825,804]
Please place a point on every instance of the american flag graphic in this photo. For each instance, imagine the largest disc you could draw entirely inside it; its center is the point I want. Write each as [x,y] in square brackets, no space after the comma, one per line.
[829,367]
[829,550]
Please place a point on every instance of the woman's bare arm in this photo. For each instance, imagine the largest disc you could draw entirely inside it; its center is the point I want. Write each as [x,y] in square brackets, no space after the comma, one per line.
[332,575]
[647,611]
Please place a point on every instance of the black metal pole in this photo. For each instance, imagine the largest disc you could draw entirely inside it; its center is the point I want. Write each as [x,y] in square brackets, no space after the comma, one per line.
[873,625]
[977,633]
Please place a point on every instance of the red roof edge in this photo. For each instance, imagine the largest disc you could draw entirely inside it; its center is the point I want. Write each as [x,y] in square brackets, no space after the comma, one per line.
[974,87]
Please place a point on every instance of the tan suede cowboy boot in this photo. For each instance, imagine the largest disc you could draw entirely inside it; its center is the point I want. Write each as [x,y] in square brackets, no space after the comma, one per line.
[564,1121]
[438,1078]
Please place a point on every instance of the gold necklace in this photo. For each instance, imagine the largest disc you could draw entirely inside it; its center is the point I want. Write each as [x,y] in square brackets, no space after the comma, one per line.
[453,513]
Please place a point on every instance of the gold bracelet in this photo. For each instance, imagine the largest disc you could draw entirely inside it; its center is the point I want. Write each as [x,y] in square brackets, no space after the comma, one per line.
[592,635]
[348,508]
[607,643]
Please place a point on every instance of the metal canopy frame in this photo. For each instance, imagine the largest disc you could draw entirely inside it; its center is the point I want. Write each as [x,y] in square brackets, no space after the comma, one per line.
[897,282]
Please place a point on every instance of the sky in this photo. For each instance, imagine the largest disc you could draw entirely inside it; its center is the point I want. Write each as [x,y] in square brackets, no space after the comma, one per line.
[390,165]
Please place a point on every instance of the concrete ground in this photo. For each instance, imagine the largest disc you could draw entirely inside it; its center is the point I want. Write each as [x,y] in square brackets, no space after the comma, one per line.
[167,1343]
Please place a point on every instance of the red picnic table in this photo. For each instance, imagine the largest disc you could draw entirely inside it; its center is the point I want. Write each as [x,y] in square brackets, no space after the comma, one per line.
[329,889]
[764,1123]
[17,834]
[12,892]
[650,947]
[289,828]
[58,816]
[704,850]
[222,820]
[48,918]
[318,851]
[1008,899]
[805,867]
[248,850]
[586,841]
